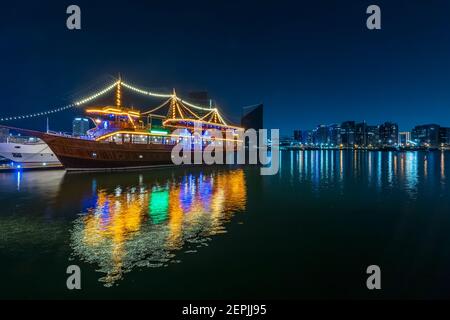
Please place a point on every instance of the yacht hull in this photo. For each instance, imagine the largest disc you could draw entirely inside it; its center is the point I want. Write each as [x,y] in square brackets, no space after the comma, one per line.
[39,153]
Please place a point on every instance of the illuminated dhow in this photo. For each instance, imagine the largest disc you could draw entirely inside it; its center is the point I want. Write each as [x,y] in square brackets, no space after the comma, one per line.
[124,138]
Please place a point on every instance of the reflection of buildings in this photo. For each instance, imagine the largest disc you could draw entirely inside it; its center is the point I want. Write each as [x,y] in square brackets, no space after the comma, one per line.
[143,225]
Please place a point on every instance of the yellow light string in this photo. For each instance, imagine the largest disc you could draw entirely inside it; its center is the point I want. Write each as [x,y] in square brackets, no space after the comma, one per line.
[179,110]
[189,110]
[151,134]
[52,111]
[148,93]
[220,117]
[118,94]
[199,121]
[162,95]
[208,114]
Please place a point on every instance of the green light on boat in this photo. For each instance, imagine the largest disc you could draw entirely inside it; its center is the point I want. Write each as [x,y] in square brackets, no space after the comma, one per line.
[159,132]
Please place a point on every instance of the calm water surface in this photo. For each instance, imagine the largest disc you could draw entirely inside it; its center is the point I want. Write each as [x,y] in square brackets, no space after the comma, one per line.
[227,232]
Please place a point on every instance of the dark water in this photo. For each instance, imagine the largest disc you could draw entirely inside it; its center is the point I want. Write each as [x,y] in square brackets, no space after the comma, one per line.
[228,232]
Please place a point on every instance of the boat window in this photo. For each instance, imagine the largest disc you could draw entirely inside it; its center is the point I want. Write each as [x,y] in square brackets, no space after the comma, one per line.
[157,140]
[17,147]
[139,139]
[17,155]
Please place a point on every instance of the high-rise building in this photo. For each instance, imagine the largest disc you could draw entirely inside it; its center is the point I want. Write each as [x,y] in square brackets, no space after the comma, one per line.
[444,136]
[373,136]
[361,134]
[348,134]
[252,117]
[80,126]
[334,135]
[298,135]
[405,137]
[307,137]
[320,135]
[426,135]
[389,134]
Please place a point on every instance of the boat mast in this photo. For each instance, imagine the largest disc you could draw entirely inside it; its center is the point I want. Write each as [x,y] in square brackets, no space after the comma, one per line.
[118,92]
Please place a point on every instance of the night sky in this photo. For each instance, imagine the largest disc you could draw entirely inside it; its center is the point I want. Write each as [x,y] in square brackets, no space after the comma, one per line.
[309,62]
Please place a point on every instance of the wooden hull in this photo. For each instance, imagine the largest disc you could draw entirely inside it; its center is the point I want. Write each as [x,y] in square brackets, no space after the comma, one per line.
[79,154]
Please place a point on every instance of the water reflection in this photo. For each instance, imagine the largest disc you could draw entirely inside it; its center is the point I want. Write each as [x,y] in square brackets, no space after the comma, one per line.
[401,171]
[145,225]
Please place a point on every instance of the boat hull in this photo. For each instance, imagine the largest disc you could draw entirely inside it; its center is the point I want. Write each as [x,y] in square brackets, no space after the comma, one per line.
[32,154]
[79,154]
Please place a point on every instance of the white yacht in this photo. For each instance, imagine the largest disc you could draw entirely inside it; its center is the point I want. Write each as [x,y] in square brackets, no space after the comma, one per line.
[27,152]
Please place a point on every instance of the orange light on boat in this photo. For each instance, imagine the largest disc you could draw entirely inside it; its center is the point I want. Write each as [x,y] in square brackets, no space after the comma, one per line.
[114,111]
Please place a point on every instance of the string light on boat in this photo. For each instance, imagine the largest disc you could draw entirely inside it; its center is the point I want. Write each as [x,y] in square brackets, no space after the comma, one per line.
[162,95]
[159,95]
[96,95]
[72,105]
[38,114]
[193,105]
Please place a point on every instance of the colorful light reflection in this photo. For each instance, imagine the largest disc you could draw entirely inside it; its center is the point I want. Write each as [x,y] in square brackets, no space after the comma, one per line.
[147,225]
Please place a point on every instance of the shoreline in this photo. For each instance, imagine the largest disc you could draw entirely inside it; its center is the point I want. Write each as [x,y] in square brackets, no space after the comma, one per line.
[365,149]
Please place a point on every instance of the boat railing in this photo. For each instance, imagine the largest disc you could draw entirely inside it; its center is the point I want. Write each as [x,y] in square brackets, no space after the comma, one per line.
[62,134]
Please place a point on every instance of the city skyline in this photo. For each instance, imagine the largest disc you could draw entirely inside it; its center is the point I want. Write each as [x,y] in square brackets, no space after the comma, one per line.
[368,123]
[386,134]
